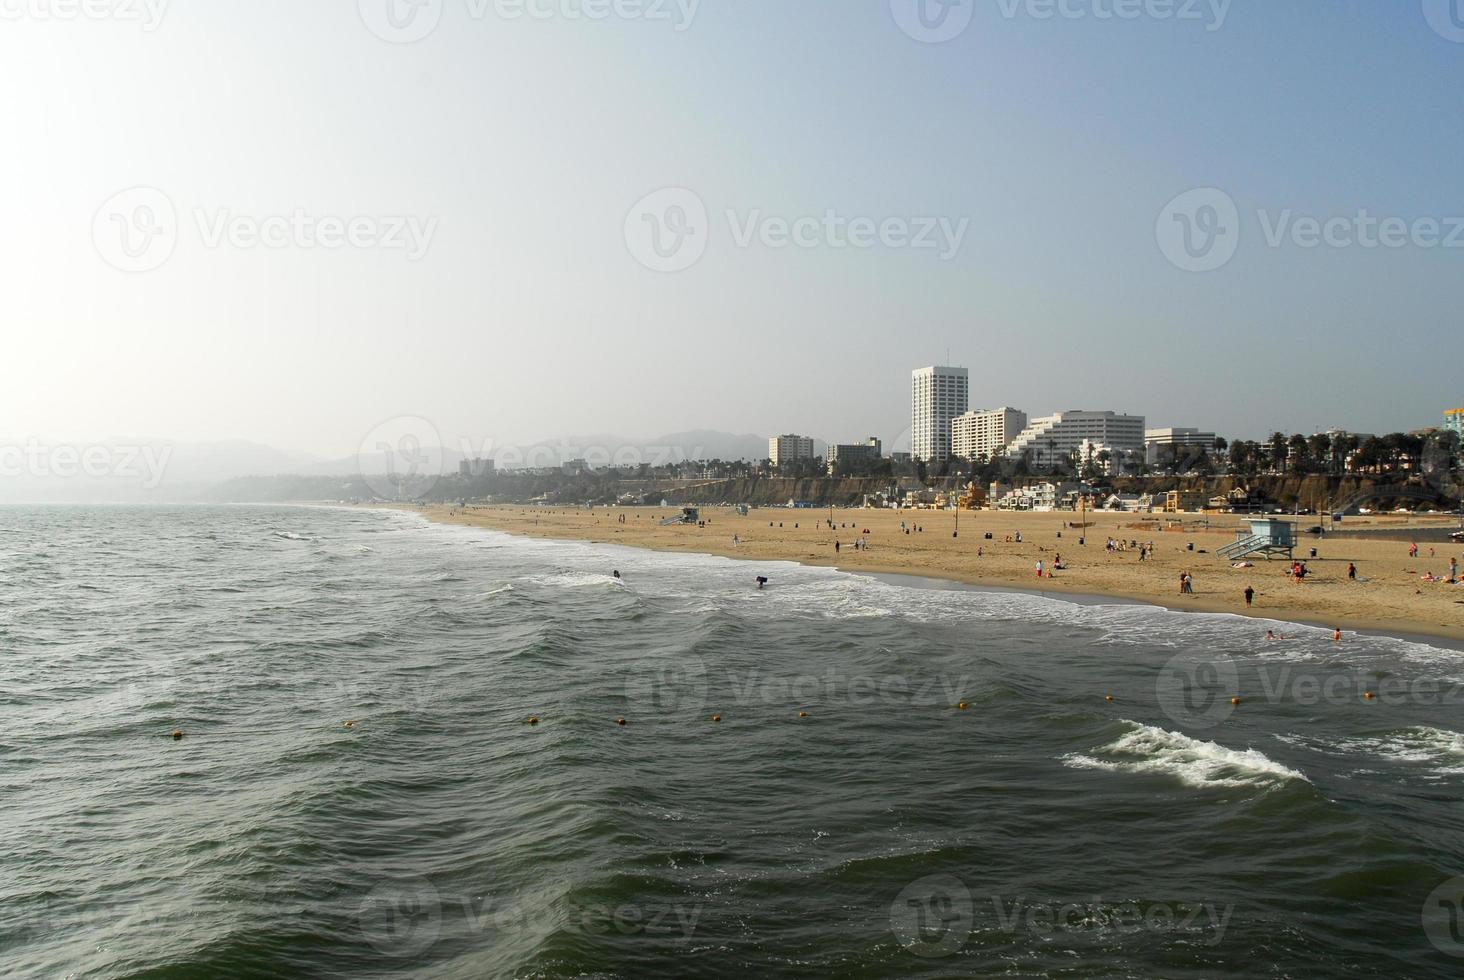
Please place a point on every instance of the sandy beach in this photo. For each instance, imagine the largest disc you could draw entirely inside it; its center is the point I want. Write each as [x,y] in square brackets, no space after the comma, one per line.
[1390,594]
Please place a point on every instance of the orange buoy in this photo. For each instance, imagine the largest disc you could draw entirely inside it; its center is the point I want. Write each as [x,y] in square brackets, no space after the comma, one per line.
[1369,695]
[1235,700]
[716,717]
[803,714]
[533,719]
[963,706]
[177,735]
[620,721]
[1108,697]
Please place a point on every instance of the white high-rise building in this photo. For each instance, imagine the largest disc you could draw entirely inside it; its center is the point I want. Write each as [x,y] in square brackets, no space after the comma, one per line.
[984,434]
[786,449]
[1056,437]
[937,395]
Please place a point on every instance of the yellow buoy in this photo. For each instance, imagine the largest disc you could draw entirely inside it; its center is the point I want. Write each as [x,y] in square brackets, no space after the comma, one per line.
[177,734]
[533,719]
[716,717]
[1369,695]
[620,721]
[963,706]
[1108,697]
[803,714]
[1235,700]
[350,724]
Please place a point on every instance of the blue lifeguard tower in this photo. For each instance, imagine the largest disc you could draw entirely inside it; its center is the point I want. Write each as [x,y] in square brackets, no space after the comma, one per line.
[1265,536]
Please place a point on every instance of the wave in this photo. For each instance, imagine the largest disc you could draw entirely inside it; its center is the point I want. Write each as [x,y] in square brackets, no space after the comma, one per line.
[1148,750]
[1438,749]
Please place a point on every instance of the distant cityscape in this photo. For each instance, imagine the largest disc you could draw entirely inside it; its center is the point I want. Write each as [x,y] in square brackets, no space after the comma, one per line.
[1002,457]
[943,427]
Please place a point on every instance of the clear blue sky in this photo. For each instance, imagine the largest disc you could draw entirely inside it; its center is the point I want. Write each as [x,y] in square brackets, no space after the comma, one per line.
[529,141]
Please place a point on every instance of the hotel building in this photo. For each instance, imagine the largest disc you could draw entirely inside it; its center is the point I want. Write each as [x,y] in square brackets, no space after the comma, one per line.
[786,449]
[937,395]
[984,434]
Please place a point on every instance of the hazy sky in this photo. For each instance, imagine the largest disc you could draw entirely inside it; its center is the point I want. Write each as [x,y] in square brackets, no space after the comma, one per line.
[501,282]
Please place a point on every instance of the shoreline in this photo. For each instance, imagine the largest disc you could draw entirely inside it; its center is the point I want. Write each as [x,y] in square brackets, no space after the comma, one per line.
[930,573]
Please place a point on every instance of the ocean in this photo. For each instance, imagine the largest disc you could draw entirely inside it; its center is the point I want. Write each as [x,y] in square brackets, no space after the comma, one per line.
[357,789]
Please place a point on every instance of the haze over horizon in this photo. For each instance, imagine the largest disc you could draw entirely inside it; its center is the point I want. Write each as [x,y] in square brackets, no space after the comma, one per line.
[503,267]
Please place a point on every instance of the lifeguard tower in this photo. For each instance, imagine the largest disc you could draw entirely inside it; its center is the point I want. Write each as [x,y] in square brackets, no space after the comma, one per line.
[1265,536]
[688,515]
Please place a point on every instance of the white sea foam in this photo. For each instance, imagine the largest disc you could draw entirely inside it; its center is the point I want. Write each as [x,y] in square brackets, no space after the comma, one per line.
[1437,748]
[1153,751]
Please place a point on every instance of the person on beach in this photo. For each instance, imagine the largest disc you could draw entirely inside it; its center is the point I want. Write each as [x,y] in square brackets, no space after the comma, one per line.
[836,547]
[1250,595]
[1039,567]
[1413,550]
[1351,571]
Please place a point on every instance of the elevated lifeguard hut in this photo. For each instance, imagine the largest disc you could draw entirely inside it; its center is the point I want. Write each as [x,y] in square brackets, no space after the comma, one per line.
[1264,536]
[688,515]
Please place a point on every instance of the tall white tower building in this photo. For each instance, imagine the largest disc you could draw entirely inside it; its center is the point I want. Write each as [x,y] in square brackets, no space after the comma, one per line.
[937,395]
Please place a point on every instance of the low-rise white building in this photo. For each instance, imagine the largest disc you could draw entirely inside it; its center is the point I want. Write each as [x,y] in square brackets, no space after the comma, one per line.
[1056,437]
